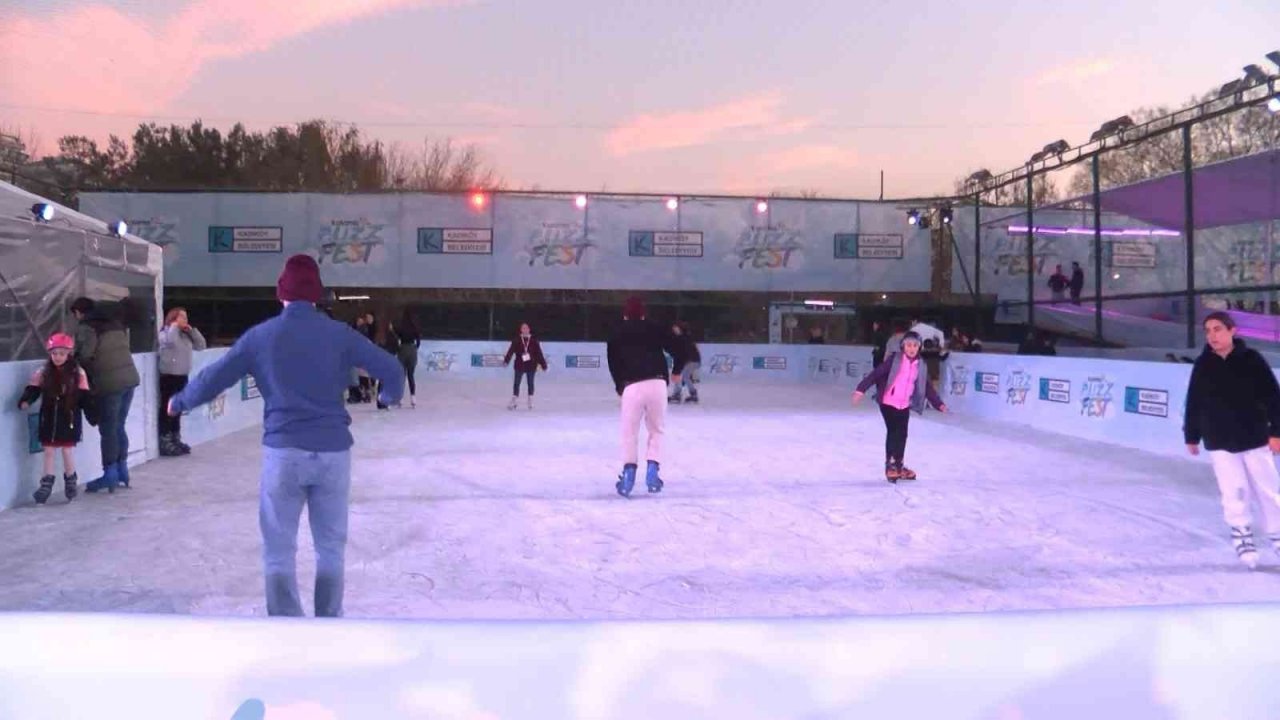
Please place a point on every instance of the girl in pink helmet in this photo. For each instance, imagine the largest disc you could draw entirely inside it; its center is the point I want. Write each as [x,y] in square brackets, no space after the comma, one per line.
[62,387]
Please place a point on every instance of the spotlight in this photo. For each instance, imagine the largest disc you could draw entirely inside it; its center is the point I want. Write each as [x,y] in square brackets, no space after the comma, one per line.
[1274,104]
[672,203]
[478,200]
[1038,156]
[1111,127]
[913,217]
[980,177]
[118,228]
[1274,57]
[1255,74]
[884,297]
[43,212]
[762,207]
[1115,276]
[580,201]
[945,215]
[1057,148]
[1230,88]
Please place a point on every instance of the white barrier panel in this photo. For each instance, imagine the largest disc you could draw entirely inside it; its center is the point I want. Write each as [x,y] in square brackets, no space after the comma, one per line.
[1136,404]
[1187,663]
[842,365]
[20,469]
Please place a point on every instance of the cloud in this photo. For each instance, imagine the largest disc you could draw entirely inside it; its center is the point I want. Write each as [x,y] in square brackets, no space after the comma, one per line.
[808,157]
[96,58]
[753,116]
[1076,71]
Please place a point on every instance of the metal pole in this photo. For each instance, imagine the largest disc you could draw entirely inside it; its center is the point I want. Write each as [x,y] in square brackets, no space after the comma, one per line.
[1031,252]
[1190,230]
[977,263]
[1097,248]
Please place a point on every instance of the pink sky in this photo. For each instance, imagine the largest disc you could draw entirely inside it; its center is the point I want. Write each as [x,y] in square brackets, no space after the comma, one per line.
[660,96]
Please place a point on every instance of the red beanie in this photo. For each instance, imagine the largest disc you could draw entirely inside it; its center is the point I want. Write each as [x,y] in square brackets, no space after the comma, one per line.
[634,308]
[300,280]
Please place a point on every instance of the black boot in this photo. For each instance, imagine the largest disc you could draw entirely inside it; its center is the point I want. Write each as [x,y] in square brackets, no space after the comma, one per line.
[169,447]
[177,440]
[69,486]
[43,492]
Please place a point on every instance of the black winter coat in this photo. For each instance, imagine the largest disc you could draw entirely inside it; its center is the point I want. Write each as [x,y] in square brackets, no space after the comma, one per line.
[1233,403]
[686,351]
[635,353]
[61,422]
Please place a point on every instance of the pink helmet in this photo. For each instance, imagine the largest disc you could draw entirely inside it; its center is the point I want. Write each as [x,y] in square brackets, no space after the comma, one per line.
[60,340]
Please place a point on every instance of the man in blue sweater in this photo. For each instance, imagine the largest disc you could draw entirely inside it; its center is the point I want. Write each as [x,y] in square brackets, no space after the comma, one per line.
[302,362]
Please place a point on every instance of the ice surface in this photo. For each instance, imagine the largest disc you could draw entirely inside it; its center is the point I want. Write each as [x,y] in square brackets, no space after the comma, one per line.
[775,506]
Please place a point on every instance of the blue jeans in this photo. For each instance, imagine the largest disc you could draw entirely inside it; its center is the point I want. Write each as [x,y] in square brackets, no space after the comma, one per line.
[113,411]
[322,481]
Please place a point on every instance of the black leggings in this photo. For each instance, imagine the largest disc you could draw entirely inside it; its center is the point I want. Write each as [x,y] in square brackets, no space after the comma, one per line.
[410,365]
[515,388]
[895,425]
[170,385]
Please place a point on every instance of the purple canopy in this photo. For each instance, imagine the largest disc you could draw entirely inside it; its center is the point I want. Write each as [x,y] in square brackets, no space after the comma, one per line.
[1235,192]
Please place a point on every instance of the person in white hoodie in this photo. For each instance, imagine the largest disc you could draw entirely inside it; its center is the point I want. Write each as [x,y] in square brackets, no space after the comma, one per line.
[178,342]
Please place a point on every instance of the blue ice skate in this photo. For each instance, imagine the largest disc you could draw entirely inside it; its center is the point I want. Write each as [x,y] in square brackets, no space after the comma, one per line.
[626,480]
[651,478]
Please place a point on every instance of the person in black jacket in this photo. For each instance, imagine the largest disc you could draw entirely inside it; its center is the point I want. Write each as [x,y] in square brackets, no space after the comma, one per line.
[410,341]
[527,351]
[685,363]
[1233,406]
[639,373]
[62,388]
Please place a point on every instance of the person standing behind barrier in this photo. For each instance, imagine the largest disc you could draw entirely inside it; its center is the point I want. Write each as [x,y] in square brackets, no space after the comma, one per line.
[113,378]
[179,342]
[639,373]
[1058,284]
[685,364]
[1077,282]
[410,342]
[527,351]
[301,361]
[1233,406]
[903,387]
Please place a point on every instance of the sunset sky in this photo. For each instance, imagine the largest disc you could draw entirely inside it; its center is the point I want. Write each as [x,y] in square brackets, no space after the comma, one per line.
[746,96]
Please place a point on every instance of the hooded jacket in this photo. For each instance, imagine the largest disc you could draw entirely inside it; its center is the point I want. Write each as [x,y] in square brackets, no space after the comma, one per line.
[886,371]
[1233,403]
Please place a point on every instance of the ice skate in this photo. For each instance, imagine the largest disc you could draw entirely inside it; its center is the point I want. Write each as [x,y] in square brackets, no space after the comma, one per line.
[530,402]
[1242,540]
[626,480]
[43,492]
[905,473]
[69,486]
[651,479]
[891,472]
[512,405]
[693,398]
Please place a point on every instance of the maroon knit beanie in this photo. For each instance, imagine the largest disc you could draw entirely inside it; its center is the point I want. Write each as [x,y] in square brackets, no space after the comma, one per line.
[633,309]
[300,280]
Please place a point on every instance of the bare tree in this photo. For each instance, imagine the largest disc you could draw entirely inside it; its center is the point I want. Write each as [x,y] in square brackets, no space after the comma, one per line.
[440,165]
[1044,191]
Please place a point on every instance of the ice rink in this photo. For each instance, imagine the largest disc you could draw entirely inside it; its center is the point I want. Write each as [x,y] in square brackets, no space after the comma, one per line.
[775,506]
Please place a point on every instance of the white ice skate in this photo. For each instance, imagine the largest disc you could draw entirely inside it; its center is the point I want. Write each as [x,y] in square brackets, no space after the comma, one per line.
[512,405]
[531,402]
[1242,540]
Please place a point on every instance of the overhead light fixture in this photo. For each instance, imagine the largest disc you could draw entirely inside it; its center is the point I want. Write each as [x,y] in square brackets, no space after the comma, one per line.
[353,297]
[1274,57]
[1038,156]
[1115,276]
[945,215]
[1274,104]
[913,217]
[980,177]
[118,228]
[820,303]
[762,207]
[1111,127]
[478,200]
[884,297]
[581,202]
[1255,74]
[43,212]
[672,203]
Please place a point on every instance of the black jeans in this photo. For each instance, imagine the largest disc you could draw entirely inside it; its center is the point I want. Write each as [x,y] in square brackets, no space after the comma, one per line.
[895,425]
[515,388]
[170,385]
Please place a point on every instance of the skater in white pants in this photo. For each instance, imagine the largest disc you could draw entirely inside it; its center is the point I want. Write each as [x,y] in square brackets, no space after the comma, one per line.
[640,377]
[1233,406]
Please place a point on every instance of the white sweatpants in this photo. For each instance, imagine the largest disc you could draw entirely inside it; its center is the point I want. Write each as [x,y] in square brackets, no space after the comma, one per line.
[1243,477]
[647,398]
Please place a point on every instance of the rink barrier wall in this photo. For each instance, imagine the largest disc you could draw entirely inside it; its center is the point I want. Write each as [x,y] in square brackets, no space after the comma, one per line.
[20,469]
[1155,662]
